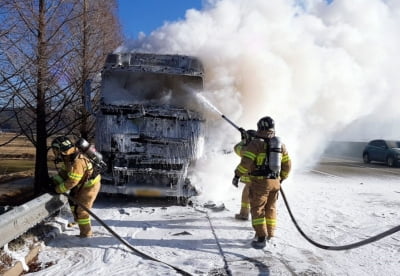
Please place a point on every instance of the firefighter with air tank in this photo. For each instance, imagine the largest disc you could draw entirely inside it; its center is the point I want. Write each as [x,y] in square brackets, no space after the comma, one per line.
[266,162]
[79,175]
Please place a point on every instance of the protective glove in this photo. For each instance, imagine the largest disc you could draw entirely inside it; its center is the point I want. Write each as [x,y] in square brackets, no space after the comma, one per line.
[235,181]
[57,181]
[243,134]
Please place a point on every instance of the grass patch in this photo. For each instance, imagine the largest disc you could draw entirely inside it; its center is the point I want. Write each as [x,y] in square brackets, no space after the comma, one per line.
[8,166]
[16,165]
[18,148]
[19,155]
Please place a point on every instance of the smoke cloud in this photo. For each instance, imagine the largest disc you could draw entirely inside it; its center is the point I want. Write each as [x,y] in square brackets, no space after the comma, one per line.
[323,71]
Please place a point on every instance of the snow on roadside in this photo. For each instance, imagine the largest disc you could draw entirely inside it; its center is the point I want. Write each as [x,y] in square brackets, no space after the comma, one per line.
[337,211]
[331,210]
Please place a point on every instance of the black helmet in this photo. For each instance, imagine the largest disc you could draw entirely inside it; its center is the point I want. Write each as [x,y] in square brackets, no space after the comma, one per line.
[62,143]
[266,123]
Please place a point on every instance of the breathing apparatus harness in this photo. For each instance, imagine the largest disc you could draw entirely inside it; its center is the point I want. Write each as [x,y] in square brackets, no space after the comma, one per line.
[95,157]
[273,155]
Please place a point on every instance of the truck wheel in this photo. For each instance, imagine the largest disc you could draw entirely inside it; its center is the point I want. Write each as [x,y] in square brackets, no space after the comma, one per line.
[183,201]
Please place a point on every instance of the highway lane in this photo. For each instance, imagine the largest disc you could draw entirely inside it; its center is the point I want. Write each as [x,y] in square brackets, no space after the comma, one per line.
[345,167]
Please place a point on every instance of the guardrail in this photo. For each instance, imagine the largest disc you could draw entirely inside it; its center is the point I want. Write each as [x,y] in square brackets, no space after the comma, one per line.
[21,218]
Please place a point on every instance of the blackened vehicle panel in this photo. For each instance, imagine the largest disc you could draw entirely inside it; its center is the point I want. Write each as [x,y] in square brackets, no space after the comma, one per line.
[146,128]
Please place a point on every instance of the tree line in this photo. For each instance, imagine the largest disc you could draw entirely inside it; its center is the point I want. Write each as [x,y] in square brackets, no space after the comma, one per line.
[51,55]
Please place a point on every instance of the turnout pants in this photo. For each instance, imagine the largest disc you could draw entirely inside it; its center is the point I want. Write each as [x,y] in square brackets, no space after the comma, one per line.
[86,196]
[263,194]
[245,206]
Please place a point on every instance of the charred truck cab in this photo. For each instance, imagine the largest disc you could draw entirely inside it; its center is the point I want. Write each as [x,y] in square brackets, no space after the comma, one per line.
[145,129]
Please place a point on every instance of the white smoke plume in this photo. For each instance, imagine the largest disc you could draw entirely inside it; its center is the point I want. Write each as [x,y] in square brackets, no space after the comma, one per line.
[323,71]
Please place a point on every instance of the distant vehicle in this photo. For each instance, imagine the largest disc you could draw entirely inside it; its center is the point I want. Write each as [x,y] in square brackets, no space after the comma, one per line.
[387,151]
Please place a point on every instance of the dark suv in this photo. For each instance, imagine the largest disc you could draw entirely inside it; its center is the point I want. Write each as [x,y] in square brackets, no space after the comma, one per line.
[387,151]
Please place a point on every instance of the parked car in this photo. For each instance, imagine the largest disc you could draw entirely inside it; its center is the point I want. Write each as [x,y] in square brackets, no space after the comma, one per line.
[387,151]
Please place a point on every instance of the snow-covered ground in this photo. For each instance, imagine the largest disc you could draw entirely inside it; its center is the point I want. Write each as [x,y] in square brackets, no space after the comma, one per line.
[331,209]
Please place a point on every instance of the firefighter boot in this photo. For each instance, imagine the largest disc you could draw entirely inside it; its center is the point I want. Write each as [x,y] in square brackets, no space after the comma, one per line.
[85,231]
[260,243]
[243,214]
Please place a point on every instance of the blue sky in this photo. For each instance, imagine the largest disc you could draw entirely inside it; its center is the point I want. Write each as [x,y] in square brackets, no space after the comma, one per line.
[147,15]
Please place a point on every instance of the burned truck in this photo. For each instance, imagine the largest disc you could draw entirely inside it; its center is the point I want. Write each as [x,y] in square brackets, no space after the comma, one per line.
[146,129]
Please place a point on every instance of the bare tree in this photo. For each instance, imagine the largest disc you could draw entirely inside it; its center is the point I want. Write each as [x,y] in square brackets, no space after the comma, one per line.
[45,61]
[37,52]
[97,33]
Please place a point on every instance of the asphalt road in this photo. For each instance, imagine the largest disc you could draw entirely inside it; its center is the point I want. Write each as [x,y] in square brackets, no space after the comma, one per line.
[345,167]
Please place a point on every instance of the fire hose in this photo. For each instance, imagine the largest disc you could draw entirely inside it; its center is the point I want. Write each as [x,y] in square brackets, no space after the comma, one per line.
[338,247]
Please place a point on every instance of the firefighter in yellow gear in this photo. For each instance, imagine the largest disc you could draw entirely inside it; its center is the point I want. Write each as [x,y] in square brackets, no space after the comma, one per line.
[245,201]
[266,165]
[78,176]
